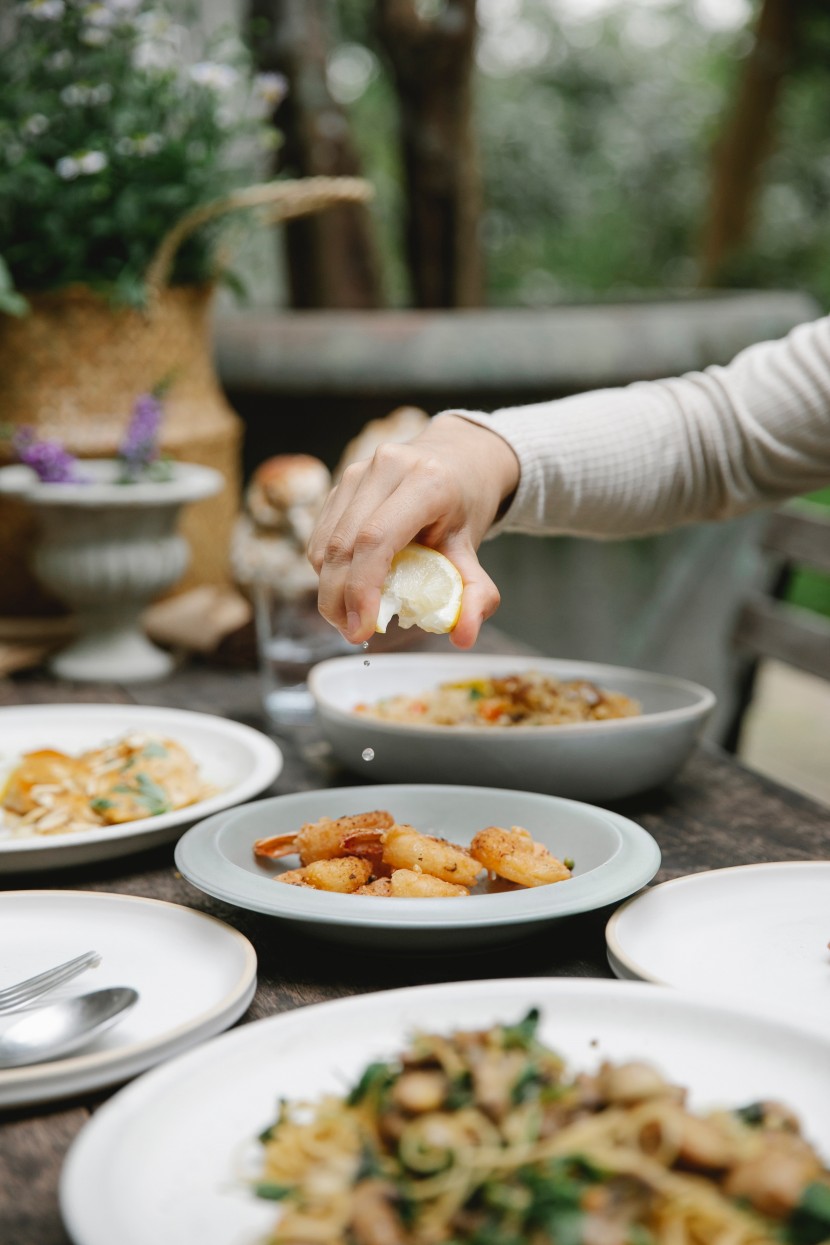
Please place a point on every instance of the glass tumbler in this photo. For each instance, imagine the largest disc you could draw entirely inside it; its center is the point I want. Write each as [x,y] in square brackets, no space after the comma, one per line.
[292,637]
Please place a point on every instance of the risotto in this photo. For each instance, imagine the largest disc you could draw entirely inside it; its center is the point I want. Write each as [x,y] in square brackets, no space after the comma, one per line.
[526,699]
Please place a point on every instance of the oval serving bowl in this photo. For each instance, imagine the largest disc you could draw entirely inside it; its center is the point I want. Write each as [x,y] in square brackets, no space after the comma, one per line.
[613,857]
[594,761]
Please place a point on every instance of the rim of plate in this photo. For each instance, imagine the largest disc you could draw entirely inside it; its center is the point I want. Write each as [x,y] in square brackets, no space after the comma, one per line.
[267,758]
[75,1065]
[705,698]
[612,938]
[631,866]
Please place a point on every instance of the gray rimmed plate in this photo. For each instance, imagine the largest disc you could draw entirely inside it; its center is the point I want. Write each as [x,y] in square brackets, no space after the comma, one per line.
[613,857]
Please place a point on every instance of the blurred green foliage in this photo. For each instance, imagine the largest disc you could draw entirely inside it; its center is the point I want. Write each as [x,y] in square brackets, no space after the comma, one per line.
[596,137]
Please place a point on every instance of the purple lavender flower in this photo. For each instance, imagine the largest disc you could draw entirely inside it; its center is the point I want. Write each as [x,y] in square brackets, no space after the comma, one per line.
[139,451]
[48,459]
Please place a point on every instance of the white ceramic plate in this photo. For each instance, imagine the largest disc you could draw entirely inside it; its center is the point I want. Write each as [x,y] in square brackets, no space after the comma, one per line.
[195,976]
[613,858]
[162,1162]
[236,759]
[595,761]
[755,934]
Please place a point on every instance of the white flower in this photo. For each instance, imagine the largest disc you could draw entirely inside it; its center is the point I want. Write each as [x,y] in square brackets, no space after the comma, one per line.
[100,94]
[148,144]
[83,162]
[270,88]
[75,93]
[45,10]
[68,168]
[35,125]
[92,162]
[59,60]
[213,75]
[100,15]
[95,36]
[161,42]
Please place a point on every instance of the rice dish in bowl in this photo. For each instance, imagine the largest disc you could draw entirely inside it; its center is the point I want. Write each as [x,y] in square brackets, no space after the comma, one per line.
[594,758]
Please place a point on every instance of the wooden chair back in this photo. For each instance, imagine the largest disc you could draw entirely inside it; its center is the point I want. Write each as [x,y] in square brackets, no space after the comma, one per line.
[797,535]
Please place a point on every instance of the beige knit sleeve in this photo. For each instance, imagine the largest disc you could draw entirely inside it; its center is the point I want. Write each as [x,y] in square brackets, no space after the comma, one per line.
[707,445]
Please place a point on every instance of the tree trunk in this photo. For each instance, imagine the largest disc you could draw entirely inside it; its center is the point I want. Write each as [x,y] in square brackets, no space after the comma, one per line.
[432,61]
[748,137]
[332,258]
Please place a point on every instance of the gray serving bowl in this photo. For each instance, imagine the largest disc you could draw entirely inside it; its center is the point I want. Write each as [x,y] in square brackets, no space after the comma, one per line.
[594,761]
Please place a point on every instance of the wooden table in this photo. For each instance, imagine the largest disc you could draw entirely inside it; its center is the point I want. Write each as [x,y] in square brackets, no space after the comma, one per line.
[716,813]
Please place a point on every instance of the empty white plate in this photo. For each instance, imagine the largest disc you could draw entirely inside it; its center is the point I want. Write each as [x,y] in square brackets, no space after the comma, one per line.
[755,935]
[195,976]
[165,1160]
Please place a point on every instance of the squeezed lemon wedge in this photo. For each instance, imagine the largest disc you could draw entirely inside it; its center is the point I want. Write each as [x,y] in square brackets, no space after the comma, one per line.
[423,588]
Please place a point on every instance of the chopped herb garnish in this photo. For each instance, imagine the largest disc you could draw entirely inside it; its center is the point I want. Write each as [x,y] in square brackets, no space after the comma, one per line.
[809,1223]
[752,1114]
[568,862]
[100,804]
[154,749]
[376,1078]
[271,1191]
[151,795]
[522,1034]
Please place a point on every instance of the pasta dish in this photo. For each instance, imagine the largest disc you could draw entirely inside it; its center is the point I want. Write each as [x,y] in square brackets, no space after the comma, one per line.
[526,699]
[51,792]
[485,1138]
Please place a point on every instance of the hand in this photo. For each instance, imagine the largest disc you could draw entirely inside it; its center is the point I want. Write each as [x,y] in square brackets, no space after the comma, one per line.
[444,489]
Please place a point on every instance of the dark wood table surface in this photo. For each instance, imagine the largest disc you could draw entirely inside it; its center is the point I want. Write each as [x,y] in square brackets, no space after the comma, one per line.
[714,814]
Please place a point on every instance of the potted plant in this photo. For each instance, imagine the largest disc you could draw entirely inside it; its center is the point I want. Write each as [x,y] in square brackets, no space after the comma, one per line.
[108,540]
[125,143]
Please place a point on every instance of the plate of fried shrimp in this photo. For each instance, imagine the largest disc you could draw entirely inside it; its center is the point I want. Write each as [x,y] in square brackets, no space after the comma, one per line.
[528,1109]
[414,864]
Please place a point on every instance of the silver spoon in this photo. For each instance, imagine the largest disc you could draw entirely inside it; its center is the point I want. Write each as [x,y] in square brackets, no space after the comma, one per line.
[60,1028]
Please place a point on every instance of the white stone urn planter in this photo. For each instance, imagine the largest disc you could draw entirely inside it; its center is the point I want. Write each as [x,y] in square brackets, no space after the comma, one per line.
[106,550]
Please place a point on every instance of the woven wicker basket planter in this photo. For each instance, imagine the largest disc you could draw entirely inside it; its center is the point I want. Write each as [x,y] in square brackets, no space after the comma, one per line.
[73,367]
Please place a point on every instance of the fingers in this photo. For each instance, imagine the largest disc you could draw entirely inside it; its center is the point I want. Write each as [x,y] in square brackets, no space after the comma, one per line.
[481,596]
[375,511]
[405,492]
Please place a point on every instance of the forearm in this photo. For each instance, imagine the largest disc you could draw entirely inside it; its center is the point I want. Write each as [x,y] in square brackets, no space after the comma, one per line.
[620,462]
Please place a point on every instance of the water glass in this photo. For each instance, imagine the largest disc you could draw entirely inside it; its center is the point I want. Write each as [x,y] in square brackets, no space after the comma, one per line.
[291,638]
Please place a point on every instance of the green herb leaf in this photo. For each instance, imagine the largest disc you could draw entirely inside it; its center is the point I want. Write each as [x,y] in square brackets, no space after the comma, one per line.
[809,1223]
[523,1034]
[376,1078]
[100,804]
[154,749]
[270,1191]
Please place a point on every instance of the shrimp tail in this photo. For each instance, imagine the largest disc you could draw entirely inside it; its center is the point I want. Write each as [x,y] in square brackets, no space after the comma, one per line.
[277,845]
[368,844]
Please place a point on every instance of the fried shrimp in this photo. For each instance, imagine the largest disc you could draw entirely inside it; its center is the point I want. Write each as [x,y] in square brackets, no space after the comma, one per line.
[404,847]
[323,839]
[372,854]
[513,854]
[407,884]
[345,874]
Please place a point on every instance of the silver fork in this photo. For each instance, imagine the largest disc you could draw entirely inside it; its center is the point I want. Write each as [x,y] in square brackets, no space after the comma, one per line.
[23,992]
